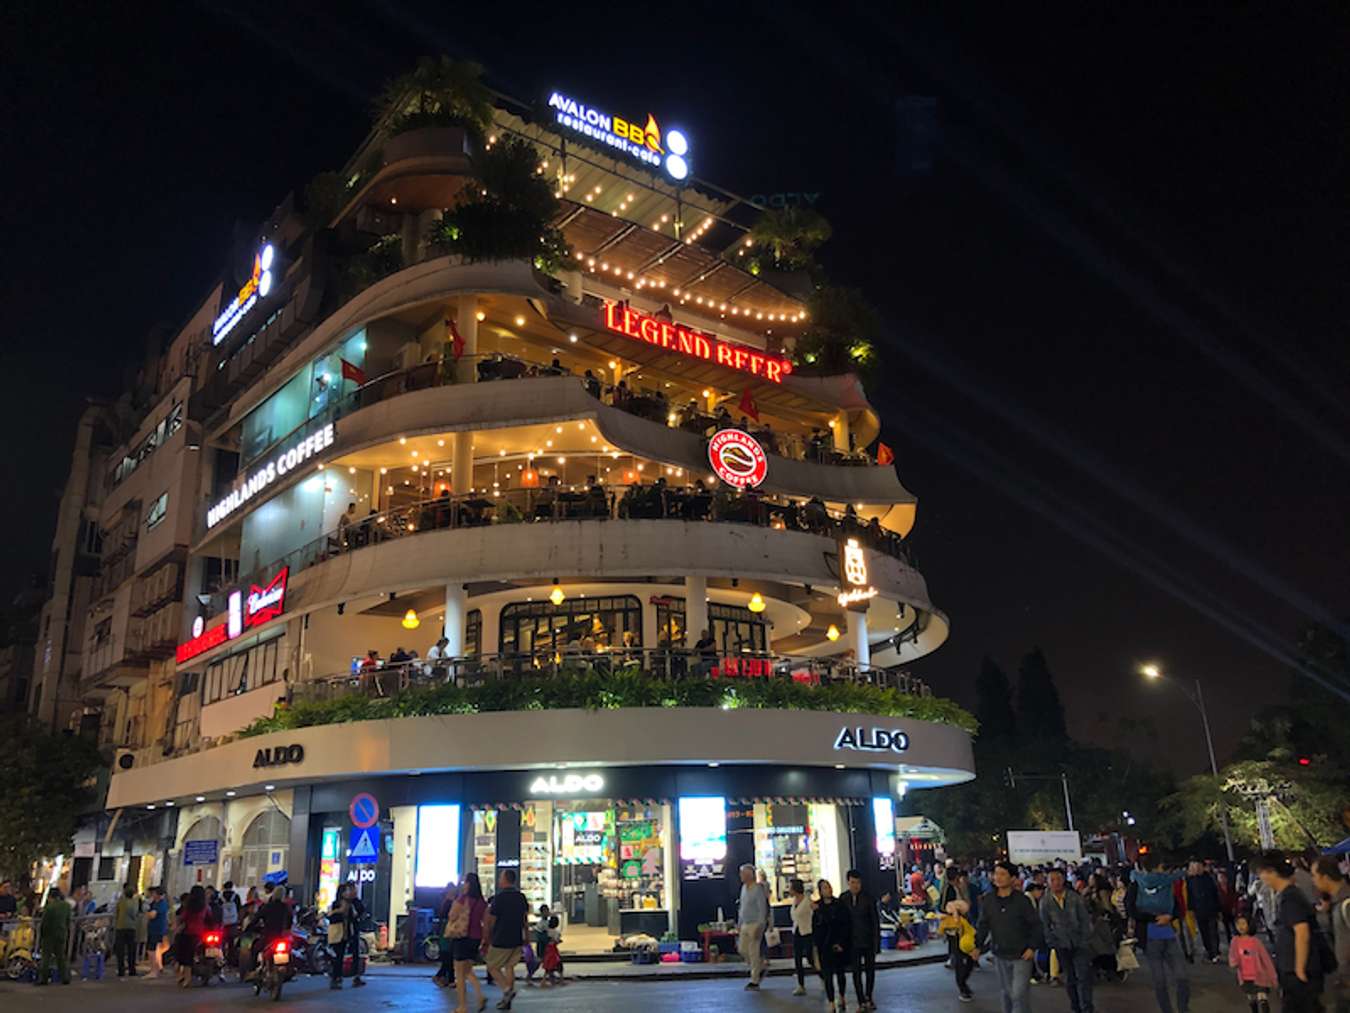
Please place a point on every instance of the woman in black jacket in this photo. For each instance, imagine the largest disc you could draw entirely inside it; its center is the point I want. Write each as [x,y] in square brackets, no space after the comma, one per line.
[832,933]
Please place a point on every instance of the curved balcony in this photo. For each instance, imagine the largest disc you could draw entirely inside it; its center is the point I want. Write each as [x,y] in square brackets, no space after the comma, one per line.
[417,401]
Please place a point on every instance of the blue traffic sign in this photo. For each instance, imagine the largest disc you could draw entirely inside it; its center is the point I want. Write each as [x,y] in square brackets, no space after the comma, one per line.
[363,845]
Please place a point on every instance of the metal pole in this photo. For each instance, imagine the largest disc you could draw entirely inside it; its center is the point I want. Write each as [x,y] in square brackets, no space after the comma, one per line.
[1068,809]
[1214,769]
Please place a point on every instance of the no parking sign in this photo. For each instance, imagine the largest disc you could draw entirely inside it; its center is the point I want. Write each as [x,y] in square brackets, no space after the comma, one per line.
[364,810]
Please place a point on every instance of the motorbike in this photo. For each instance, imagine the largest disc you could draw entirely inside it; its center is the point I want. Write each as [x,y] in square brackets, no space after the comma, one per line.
[275,968]
[16,949]
[209,961]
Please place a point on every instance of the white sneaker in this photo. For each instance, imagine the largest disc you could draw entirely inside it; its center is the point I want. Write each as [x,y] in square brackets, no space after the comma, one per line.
[799,990]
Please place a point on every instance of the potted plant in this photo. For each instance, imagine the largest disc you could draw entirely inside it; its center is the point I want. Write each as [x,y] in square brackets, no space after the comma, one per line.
[438,92]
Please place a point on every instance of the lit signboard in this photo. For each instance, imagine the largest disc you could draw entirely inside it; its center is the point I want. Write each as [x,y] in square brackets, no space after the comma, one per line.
[883,818]
[853,575]
[737,458]
[673,337]
[877,740]
[703,836]
[567,784]
[257,287]
[641,141]
[262,604]
[437,845]
[285,461]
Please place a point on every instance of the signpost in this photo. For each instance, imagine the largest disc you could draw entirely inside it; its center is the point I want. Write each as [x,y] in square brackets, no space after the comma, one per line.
[363,846]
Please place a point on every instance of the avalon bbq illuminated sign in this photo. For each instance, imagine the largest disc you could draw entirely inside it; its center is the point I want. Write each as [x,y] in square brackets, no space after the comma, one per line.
[257,287]
[262,605]
[673,337]
[643,142]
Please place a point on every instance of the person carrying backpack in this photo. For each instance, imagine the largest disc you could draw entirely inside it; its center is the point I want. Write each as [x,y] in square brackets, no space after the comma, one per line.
[1153,905]
[1327,875]
[1299,958]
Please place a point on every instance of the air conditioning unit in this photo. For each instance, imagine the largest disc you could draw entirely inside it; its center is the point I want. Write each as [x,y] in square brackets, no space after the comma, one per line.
[124,760]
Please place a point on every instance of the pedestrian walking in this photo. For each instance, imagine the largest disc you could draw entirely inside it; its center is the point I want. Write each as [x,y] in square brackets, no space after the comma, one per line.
[156,930]
[832,932]
[193,915]
[1296,954]
[126,915]
[1011,930]
[1152,903]
[866,939]
[1227,904]
[1255,972]
[957,927]
[464,934]
[445,976]
[54,937]
[1068,931]
[1330,881]
[1202,893]
[506,927]
[344,920]
[752,918]
[802,949]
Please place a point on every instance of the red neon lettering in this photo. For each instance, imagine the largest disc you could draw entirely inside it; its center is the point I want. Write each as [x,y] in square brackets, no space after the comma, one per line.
[701,347]
[640,326]
[649,329]
[741,357]
[610,307]
[772,368]
[628,316]
[667,335]
[756,363]
[686,341]
[724,356]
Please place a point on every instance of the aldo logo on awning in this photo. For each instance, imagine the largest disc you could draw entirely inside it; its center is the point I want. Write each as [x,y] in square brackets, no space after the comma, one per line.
[875,740]
[276,756]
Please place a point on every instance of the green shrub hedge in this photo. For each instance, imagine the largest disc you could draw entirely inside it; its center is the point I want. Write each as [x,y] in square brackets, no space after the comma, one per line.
[628,687]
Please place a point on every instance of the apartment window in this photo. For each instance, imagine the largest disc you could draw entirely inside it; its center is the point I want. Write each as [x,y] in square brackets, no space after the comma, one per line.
[473,632]
[242,671]
[159,509]
[107,868]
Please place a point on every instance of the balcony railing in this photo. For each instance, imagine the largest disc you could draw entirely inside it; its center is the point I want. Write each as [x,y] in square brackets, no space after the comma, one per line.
[391,680]
[552,503]
[650,404]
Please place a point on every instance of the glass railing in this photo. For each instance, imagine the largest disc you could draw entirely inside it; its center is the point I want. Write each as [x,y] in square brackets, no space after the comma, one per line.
[553,503]
[390,679]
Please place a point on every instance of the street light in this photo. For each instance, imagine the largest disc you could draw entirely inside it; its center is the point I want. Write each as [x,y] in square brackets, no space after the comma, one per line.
[1155,672]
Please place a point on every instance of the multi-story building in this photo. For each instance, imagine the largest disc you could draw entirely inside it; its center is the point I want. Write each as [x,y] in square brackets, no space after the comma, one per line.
[657,556]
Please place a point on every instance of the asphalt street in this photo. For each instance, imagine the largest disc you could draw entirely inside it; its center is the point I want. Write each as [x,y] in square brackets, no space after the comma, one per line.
[924,988]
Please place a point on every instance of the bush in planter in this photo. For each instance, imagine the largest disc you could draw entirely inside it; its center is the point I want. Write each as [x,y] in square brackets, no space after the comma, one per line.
[438,92]
[506,214]
[379,260]
[841,334]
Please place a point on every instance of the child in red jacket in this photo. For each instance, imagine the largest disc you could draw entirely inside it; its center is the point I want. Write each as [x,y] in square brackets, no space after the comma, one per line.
[1255,971]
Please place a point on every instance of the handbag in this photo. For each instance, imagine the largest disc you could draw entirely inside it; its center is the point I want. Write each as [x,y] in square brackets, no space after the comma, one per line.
[772,937]
[457,925]
[337,932]
[967,938]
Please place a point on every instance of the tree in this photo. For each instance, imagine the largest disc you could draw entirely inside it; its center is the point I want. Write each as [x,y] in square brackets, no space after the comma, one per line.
[841,332]
[44,787]
[785,239]
[1040,714]
[994,704]
[438,92]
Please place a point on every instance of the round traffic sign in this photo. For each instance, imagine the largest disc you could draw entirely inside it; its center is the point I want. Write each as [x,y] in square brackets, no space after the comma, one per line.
[737,458]
[364,810]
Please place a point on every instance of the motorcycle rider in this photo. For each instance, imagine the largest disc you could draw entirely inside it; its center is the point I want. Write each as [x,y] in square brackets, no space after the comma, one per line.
[273,923]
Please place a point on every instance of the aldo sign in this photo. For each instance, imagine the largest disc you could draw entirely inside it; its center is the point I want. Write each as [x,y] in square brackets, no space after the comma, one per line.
[873,740]
[278,756]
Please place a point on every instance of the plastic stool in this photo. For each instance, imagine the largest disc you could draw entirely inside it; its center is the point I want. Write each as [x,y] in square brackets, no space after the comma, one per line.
[92,968]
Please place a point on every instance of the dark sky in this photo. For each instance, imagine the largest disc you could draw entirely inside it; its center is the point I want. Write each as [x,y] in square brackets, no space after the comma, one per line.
[1117,373]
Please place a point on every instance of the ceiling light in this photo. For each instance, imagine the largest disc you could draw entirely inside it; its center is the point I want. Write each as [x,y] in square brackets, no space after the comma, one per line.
[410,620]
[832,633]
[756,603]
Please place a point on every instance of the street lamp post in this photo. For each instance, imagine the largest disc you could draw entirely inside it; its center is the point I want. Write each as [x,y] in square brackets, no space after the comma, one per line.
[1198,699]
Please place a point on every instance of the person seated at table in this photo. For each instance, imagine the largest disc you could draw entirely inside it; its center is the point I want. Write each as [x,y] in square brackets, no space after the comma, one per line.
[817,445]
[876,534]
[441,510]
[597,503]
[659,505]
[621,395]
[556,366]
[814,515]
[371,661]
[546,499]
[627,502]
[698,502]
[507,511]
[852,525]
[592,384]
[399,657]
[723,417]
[764,436]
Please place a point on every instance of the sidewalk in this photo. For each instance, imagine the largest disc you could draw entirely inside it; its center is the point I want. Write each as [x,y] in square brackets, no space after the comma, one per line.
[929,953]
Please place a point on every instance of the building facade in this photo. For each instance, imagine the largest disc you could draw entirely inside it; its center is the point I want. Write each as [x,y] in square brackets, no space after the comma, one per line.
[445,499]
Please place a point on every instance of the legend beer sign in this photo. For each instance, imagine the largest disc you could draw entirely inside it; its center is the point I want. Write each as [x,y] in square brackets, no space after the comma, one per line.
[672,337]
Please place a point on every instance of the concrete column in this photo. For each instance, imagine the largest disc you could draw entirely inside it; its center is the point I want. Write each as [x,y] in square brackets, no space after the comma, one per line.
[695,609]
[857,632]
[649,631]
[840,430]
[456,609]
[466,320]
[461,463]
[424,220]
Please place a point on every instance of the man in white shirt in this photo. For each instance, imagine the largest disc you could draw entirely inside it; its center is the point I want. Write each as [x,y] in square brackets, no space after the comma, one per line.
[751,921]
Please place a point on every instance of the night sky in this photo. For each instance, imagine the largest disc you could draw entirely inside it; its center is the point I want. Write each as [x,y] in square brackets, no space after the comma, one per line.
[1117,369]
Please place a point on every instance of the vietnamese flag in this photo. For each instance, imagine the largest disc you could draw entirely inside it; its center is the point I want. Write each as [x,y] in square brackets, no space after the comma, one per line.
[748,406]
[884,454]
[353,373]
[456,339]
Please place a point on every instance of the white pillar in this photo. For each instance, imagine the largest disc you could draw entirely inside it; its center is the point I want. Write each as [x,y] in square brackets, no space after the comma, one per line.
[857,631]
[466,320]
[456,602]
[461,463]
[695,609]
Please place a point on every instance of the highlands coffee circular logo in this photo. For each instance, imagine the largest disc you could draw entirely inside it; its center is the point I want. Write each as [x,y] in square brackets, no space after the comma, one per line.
[737,458]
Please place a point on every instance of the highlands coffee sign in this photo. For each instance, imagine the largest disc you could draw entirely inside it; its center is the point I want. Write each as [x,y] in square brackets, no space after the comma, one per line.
[672,337]
[242,612]
[264,475]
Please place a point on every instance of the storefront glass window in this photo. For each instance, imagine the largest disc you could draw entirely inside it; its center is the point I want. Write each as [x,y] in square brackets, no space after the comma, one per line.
[473,632]
[735,629]
[594,624]
[327,384]
[797,840]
